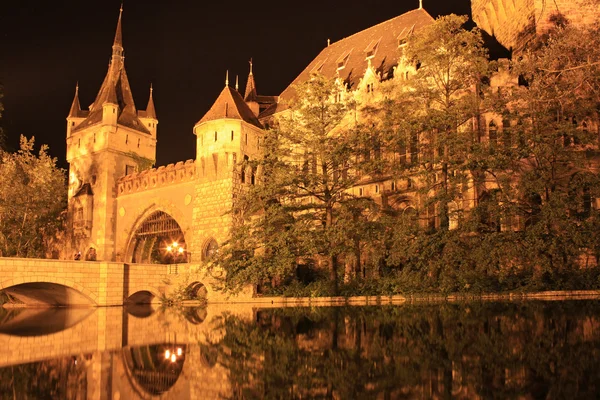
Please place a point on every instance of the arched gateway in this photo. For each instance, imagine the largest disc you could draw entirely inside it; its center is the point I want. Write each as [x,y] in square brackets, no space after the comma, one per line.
[158,240]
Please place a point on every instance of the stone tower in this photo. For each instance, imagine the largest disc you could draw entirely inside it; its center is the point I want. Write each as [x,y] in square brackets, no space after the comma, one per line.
[104,143]
[227,135]
[515,22]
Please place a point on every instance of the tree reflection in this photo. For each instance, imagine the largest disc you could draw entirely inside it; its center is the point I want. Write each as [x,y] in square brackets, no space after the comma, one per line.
[63,378]
[499,350]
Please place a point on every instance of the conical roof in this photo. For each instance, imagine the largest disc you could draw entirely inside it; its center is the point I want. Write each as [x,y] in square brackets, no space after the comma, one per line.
[250,94]
[75,106]
[115,89]
[150,110]
[230,104]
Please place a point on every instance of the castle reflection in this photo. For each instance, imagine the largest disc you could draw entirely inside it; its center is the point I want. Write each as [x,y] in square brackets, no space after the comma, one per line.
[523,350]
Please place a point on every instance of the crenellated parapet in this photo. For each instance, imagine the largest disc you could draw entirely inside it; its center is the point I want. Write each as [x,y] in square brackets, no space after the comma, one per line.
[157,178]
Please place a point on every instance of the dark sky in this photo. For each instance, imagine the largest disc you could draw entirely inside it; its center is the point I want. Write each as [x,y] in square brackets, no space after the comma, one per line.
[182,47]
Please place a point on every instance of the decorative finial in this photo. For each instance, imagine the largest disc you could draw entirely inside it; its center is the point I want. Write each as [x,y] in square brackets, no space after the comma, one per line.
[250,66]
[420,4]
[77,87]
[328,42]
[237,86]
[121,9]
[151,89]
[227,78]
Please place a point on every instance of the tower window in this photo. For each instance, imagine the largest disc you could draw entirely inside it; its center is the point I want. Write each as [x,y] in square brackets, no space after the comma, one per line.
[138,143]
[246,138]
[232,136]
[216,135]
[129,169]
[79,143]
[126,139]
[94,137]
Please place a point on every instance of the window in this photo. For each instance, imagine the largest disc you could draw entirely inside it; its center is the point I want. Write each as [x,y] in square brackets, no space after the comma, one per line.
[129,169]
[232,136]
[94,137]
[493,134]
[210,250]
[360,191]
[216,136]
[138,143]
[126,139]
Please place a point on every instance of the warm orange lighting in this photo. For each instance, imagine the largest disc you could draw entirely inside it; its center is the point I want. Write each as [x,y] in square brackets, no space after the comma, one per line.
[179,351]
[180,250]
[169,249]
[173,358]
[167,354]
[175,244]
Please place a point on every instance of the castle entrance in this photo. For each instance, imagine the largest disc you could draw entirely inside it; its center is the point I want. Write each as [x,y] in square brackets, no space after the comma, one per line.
[159,240]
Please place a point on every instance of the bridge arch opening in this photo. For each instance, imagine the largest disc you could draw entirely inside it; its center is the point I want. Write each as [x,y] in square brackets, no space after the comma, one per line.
[159,239]
[48,294]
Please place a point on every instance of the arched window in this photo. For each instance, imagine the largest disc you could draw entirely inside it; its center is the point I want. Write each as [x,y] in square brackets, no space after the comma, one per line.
[210,250]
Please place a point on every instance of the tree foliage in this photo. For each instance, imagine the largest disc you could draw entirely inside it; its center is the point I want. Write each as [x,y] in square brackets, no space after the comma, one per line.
[32,201]
[495,177]
[301,211]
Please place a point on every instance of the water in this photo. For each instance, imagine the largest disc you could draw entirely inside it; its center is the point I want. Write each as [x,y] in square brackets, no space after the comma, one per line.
[503,350]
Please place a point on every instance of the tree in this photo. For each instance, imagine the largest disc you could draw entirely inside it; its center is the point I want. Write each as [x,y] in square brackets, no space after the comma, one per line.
[32,201]
[302,211]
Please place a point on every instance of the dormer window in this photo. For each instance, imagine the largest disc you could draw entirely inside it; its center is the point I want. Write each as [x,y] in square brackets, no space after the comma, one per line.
[371,49]
[342,61]
[318,67]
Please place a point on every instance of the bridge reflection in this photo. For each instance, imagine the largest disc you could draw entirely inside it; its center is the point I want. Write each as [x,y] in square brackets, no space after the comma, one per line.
[141,351]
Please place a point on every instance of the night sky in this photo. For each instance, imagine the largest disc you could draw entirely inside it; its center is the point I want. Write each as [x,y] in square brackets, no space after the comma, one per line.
[183,48]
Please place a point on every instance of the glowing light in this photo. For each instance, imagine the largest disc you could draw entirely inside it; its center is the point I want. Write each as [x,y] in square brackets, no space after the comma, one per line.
[175,244]
[173,358]
[169,249]
[180,250]
[167,354]
[179,351]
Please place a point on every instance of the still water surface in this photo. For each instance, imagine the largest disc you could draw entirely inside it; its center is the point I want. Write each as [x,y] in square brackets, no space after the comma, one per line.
[503,350]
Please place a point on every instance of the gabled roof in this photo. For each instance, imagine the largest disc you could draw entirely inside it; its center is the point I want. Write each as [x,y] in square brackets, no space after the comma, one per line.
[348,57]
[230,104]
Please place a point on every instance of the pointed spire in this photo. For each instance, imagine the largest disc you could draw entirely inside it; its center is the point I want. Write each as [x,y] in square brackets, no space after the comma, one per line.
[75,107]
[237,83]
[227,78]
[420,4]
[150,110]
[250,94]
[118,43]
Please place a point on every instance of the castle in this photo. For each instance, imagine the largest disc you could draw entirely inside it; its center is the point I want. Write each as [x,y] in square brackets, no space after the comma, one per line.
[121,210]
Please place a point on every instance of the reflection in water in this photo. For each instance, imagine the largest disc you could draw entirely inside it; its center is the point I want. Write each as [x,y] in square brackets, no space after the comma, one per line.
[155,368]
[41,321]
[526,350]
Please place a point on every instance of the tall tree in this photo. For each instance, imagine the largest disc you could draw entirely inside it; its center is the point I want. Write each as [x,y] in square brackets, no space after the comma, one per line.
[302,209]
[32,201]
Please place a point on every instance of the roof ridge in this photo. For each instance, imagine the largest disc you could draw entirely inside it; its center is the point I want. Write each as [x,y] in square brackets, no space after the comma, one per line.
[381,23]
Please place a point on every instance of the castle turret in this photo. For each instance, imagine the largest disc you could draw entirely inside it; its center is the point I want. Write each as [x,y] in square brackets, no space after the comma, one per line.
[76,115]
[227,135]
[104,144]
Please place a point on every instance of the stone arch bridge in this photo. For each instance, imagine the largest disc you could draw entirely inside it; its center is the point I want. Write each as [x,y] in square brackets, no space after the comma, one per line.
[78,283]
